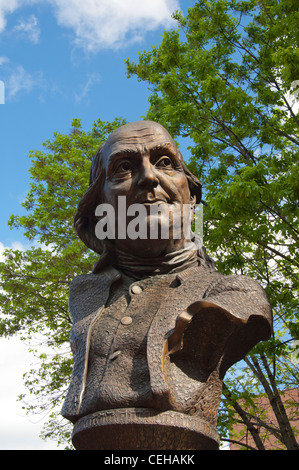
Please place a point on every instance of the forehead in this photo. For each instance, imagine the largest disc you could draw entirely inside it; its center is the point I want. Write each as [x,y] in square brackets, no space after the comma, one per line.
[135,136]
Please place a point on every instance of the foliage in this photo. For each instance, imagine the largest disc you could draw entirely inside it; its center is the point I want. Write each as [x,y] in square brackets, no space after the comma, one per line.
[226,79]
[35,282]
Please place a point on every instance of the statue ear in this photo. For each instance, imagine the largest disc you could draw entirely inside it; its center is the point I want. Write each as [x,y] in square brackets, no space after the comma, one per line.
[193,200]
[192,207]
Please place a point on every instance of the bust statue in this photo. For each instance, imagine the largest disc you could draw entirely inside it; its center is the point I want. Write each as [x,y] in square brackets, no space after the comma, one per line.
[155,325]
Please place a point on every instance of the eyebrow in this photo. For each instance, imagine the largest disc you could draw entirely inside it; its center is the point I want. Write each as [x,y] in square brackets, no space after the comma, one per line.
[163,147]
[157,148]
[120,153]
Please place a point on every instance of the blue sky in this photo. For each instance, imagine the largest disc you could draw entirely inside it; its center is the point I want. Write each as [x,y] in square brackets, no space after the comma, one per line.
[59,60]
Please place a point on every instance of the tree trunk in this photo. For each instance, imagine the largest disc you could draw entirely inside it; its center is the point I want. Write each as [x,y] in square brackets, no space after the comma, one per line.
[286,432]
[251,428]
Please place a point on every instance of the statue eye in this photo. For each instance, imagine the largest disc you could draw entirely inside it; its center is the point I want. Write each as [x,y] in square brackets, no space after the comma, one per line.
[124,166]
[164,162]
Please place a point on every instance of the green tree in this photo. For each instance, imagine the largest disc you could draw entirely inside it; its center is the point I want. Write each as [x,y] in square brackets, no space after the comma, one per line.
[227,79]
[35,283]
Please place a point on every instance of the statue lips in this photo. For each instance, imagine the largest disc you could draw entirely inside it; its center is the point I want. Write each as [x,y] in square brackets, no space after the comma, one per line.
[153,199]
[157,202]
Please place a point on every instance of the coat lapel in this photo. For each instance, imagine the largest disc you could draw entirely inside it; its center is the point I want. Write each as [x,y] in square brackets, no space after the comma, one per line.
[88,296]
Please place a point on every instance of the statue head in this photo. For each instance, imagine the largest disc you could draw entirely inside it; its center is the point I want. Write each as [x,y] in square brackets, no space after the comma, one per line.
[141,162]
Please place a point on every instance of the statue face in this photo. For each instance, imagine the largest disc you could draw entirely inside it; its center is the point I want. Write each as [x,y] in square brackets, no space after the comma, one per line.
[143,164]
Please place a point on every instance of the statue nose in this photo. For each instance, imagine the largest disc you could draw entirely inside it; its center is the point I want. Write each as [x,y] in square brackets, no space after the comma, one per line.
[148,177]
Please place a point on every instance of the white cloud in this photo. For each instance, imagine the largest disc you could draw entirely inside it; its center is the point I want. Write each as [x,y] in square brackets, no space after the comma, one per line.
[3,60]
[17,80]
[16,245]
[7,7]
[92,79]
[29,29]
[17,431]
[99,24]
[21,81]
[112,23]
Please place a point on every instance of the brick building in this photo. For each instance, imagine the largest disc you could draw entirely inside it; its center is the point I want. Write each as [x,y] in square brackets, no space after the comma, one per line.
[240,432]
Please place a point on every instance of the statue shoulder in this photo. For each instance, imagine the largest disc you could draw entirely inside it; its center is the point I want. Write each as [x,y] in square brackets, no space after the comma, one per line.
[233,282]
[84,282]
[213,283]
[88,292]
[242,296]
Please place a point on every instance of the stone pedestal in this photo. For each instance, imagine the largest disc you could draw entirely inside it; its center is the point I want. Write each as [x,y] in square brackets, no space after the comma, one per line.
[143,428]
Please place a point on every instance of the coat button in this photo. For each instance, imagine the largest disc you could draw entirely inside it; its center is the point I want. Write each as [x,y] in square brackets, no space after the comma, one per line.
[114,355]
[136,289]
[126,320]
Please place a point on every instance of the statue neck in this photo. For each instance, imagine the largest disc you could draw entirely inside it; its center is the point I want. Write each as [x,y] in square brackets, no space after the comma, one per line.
[172,262]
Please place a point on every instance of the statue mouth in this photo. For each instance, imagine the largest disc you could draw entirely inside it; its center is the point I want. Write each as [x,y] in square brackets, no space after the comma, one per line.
[154,198]
[154,201]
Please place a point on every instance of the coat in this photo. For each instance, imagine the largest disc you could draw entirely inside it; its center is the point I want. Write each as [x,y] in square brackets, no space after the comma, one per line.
[163,343]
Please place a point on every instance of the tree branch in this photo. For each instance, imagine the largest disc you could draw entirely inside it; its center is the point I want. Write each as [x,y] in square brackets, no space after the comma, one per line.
[251,428]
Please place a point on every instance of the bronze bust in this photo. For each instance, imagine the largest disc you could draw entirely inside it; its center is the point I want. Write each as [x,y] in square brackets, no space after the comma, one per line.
[155,326]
